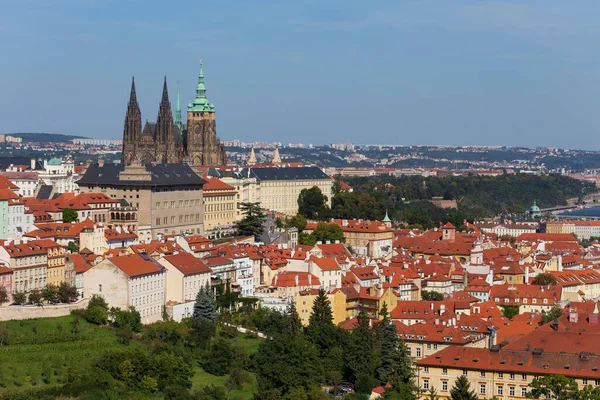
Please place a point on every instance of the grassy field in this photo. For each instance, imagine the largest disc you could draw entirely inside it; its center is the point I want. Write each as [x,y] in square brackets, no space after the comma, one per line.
[41,352]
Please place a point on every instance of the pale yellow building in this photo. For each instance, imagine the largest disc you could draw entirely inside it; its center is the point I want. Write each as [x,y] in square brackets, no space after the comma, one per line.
[220,208]
[305,299]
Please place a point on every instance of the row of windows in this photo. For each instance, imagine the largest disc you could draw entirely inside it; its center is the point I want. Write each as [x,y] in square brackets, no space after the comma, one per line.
[533,301]
[210,217]
[141,287]
[140,301]
[482,388]
[182,219]
[219,207]
[181,204]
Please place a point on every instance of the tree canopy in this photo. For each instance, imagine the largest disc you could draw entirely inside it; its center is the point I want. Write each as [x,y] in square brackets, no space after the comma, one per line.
[253,221]
[312,203]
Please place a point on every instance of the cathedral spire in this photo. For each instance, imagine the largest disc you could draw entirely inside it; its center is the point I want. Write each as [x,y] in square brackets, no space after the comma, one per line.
[178,110]
[132,95]
[165,94]
[201,103]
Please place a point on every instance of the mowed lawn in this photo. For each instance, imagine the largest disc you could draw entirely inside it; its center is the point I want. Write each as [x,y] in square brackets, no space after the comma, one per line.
[202,378]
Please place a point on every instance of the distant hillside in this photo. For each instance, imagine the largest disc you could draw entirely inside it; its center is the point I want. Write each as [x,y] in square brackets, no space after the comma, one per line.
[45,137]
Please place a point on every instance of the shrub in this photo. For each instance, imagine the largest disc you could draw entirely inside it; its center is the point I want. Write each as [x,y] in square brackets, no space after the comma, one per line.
[96,315]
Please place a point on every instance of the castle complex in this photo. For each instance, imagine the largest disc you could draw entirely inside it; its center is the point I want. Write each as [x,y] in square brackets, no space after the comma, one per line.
[168,141]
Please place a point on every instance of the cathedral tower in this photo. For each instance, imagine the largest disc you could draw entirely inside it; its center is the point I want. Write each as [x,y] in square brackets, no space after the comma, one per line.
[203,146]
[133,127]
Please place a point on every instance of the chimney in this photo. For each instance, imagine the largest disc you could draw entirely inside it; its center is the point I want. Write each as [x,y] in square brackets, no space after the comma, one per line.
[559,266]
[45,164]
[309,279]
[101,162]
[296,279]
[32,163]
[527,274]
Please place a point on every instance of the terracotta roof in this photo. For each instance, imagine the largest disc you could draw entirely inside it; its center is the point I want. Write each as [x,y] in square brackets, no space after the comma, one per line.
[326,263]
[547,237]
[288,279]
[136,265]
[33,247]
[546,363]
[5,183]
[187,264]
[81,265]
[214,184]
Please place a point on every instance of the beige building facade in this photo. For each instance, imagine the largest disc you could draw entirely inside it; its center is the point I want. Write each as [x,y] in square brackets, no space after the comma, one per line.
[169,197]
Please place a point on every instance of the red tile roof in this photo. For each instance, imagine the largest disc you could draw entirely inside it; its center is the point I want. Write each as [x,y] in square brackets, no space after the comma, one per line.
[5,183]
[187,264]
[547,237]
[135,265]
[288,279]
[326,263]
[215,184]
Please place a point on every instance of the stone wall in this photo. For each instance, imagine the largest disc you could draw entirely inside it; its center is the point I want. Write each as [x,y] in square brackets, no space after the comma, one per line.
[8,313]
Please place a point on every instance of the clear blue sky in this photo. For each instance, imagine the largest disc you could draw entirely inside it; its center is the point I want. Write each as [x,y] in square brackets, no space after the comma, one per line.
[494,72]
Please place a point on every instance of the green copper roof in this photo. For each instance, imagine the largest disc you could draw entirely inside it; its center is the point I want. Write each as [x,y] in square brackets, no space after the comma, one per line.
[178,110]
[387,218]
[54,161]
[201,103]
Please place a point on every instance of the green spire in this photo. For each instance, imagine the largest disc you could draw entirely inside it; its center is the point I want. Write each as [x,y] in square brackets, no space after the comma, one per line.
[178,110]
[201,103]
[387,218]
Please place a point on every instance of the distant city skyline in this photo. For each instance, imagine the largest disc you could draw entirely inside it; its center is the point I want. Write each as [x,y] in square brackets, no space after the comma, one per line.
[467,72]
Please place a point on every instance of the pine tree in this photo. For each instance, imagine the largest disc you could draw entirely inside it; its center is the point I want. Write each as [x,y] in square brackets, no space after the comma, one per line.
[395,363]
[462,390]
[204,307]
[321,330]
[295,325]
[388,341]
[360,360]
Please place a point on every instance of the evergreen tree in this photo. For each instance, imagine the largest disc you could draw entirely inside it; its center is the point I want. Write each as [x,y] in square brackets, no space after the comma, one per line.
[204,307]
[295,325]
[462,390]
[253,221]
[387,341]
[321,330]
[360,360]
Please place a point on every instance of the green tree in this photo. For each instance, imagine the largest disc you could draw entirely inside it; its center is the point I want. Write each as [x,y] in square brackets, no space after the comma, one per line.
[278,223]
[201,332]
[556,387]
[431,295]
[297,221]
[294,323]
[96,315]
[432,394]
[69,215]
[35,297]
[312,204]
[253,221]
[72,247]
[510,311]
[285,363]
[320,330]
[328,232]
[50,293]
[219,358]
[462,390]
[99,301]
[19,297]
[544,279]
[387,340]
[549,316]
[204,307]
[67,293]
[3,295]
[130,319]
[360,359]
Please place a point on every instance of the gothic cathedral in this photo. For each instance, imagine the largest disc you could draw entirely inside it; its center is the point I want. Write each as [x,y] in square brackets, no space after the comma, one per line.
[167,141]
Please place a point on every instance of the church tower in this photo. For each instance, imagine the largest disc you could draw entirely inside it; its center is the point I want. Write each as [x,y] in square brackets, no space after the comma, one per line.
[133,127]
[166,146]
[203,146]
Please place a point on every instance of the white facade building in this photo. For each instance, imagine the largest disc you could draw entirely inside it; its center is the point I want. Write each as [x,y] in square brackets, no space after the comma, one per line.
[129,281]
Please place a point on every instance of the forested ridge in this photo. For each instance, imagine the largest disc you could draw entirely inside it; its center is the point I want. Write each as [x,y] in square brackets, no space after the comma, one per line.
[406,198]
